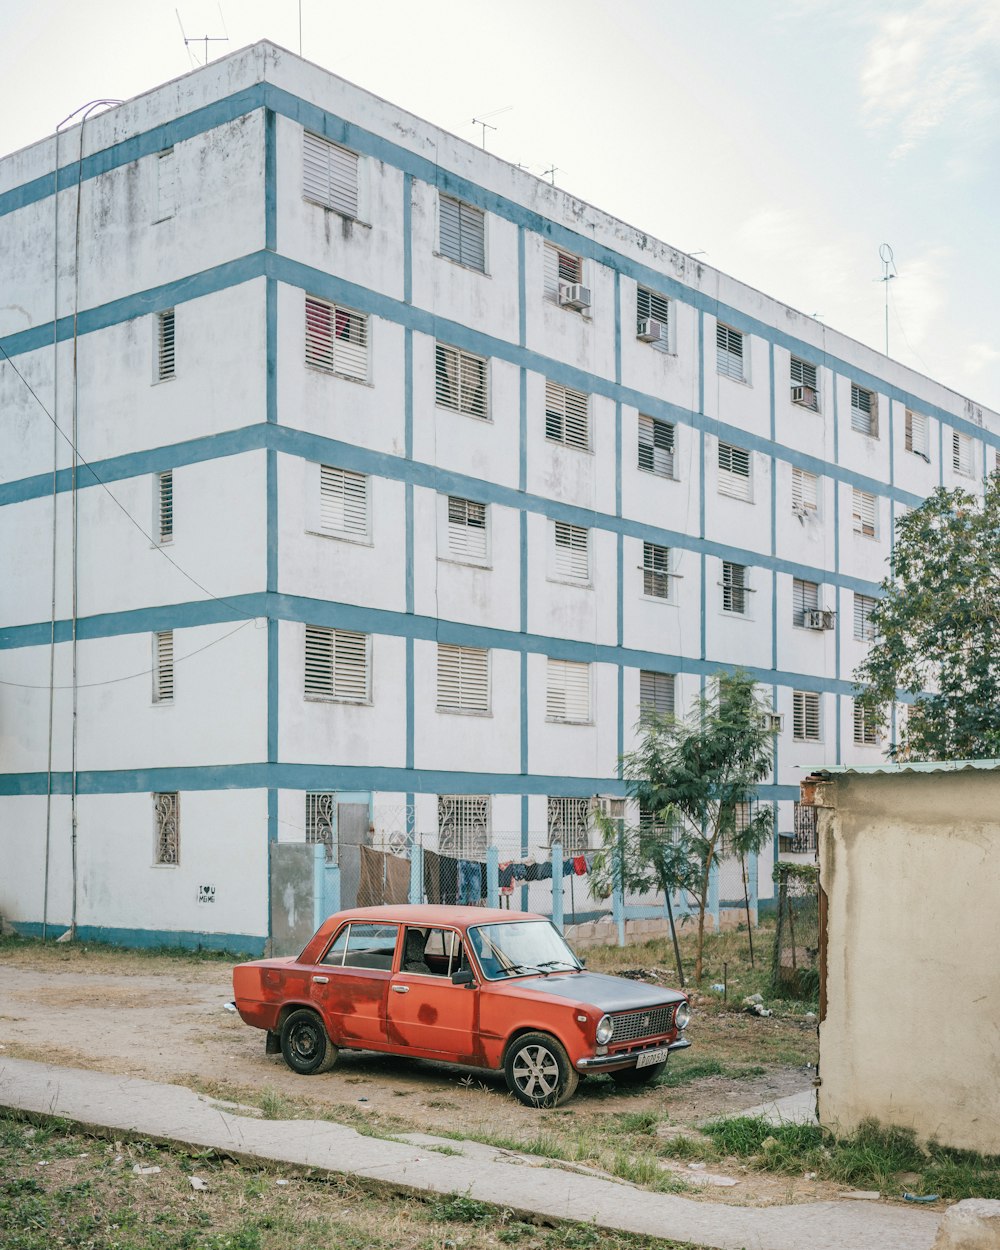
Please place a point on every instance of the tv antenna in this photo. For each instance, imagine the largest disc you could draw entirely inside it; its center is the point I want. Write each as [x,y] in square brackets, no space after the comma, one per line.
[888,263]
[481,121]
[551,172]
[205,39]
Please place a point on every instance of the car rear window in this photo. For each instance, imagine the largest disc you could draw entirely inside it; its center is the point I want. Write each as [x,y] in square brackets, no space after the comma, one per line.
[364,946]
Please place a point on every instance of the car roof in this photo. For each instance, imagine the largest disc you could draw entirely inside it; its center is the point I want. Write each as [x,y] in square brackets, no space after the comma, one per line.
[424,914]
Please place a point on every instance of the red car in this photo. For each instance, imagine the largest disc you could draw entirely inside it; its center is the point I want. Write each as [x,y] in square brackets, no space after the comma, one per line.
[468,985]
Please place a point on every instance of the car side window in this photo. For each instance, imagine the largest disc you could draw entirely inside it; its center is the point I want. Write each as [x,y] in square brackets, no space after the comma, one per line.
[431,952]
[364,946]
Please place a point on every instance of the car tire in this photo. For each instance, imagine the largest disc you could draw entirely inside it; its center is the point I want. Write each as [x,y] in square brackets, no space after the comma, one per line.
[539,1072]
[630,1078]
[305,1043]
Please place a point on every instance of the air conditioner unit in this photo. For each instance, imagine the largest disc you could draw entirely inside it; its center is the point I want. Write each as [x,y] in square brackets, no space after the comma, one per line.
[651,331]
[613,808]
[804,395]
[773,722]
[829,619]
[573,295]
[814,618]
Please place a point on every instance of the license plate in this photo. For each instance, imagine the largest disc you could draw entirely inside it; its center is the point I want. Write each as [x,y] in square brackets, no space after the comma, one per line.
[651,1056]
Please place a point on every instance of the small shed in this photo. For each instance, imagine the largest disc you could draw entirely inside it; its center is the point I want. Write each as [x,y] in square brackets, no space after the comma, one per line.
[910,948]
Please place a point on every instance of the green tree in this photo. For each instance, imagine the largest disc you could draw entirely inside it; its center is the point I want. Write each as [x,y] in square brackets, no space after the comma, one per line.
[695,780]
[937,629]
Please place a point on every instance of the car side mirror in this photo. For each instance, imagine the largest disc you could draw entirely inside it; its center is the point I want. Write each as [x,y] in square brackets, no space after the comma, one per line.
[462,977]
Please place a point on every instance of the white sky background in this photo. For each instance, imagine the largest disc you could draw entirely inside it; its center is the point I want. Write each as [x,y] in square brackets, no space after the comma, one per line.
[786,139]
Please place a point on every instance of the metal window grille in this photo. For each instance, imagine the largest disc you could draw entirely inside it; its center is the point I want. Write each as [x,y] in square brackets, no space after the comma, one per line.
[729,352]
[336,339]
[165,506]
[650,305]
[460,381]
[329,175]
[163,667]
[805,491]
[567,691]
[864,512]
[864,410]
[462,233]
[166,815]
[569,823]
[804,839]
[464,825]
[166,185]
[656,693]
[656,446]
[467,532]
[655,571]
[805,598]
[864,605]
[337,665]
[343,502]
[734,472]
[734,588]
[916,433]
[319,818]
[166,359]
[805,716]
[962,453]
[865,727]
[463,679]
[567,416]
[561,268]
[572,551]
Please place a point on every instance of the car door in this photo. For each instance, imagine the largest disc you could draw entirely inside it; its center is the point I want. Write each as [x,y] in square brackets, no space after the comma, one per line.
[425,1012]
[351,981]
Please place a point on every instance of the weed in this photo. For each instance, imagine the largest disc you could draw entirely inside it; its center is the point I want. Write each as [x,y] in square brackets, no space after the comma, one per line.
[274,1106]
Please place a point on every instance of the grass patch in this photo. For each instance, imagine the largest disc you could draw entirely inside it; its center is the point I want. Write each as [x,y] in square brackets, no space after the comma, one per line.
[13,947]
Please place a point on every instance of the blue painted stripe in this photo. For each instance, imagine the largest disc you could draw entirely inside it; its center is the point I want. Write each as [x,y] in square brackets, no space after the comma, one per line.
[146,939]
[270,182]
[410,696]
[407,238]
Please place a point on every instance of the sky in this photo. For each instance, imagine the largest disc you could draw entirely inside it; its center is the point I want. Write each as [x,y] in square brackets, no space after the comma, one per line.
[785,140]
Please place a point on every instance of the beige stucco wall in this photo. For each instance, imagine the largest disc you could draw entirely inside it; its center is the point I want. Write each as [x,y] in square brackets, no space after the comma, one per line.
[910,864]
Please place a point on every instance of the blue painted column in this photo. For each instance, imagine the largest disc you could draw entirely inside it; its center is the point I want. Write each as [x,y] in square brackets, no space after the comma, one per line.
[752,866]
[331,888]
[618,895]
[557,885]
[319,885]
[416,872]
[713,895]
[492,876]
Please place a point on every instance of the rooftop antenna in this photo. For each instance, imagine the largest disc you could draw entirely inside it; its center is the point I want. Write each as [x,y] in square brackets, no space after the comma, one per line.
[885,254]
[551,172]
[205,39]
[481,121]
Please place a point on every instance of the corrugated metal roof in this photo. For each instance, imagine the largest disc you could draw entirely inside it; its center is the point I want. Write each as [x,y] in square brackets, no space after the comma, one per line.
[929,766]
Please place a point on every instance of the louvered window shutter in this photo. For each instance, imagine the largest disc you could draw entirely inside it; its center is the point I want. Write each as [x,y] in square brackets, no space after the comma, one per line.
[650,305]
[734,588]
[462,230]
[566,416]
[734,472]
[165,506]
[343,502]
[329,175]
[572,551]
[336,664]
[864,513]
[655,571]
[729,352]
[916,433]
[864,410]
[865,729]
[560,268]
[163,667]
[656,693]
[656,446]
[804,490]
[463,679]
[864,605]
[165,343]
[961,453]
[805,716]
[805,598]
[803,373]
[568,691]
[467,535]
[336,339]
[460,381]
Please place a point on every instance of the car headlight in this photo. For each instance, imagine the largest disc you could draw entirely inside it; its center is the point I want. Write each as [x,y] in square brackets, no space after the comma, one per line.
[605,1028]
[682,1016]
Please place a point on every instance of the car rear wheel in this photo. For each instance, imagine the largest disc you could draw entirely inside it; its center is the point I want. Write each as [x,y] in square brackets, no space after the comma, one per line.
[305,1044]
[539,1072]
[627,1077]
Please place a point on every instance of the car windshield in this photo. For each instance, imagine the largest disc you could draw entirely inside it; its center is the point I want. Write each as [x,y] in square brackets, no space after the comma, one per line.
[522,946]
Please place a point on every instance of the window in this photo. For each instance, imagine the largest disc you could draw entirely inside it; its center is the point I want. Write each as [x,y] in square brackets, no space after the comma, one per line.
[734,588]
[319,818]
[166,185]
[468,537]
[734,472]
[165,507]
[336,339]
[460,381]
[864,410]
[572,551]
[962,453]
[865,512]
[561,269]
[649,306]
[165,342]
[364,946]
[656,693]
[656,446]
[464,825]
[655,571]
[865,725]
[567,419]
[805,391]
[805,716]
[567,692]
[167,829]
[163,667]
[805,598]
[329,175]
[804,839]
[462,233]
[864,605]
[343,502]
[463,679]
[569,823]
[337,665]
[916,434]
[805,492]
[729,353]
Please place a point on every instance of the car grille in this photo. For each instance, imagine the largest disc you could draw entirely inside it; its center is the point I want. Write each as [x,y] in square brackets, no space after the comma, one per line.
[632,1024]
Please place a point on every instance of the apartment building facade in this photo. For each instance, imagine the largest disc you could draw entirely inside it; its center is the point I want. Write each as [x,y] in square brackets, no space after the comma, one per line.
[405,481]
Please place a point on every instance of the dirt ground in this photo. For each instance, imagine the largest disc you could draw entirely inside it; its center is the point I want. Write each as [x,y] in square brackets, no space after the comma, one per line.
[165,1020]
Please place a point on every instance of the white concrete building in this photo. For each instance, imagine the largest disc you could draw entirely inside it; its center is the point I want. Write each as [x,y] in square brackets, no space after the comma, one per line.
[423,476]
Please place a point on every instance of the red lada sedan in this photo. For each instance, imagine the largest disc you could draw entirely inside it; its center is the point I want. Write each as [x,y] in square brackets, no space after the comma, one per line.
[466,985]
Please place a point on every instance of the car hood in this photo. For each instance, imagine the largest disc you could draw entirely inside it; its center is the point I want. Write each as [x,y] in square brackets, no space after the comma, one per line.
[606,993]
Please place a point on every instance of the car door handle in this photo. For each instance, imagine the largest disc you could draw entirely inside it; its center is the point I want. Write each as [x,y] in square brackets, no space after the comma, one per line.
[401,989]
[321,980]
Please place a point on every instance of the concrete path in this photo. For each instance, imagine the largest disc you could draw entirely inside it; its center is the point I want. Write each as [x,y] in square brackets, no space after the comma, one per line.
[171,1113]
[795,1109]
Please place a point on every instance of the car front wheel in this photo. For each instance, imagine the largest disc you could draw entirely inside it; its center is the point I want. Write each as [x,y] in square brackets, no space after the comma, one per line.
[539,1072]
[305,1044]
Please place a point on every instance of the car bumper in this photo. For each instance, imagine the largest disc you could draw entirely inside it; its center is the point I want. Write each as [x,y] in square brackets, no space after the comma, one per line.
[601,1063]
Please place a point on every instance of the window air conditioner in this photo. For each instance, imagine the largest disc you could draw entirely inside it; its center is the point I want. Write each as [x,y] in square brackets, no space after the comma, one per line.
[829,619]
[573,295]
[651,331]
[613,808]
[804,395]
[814,618]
